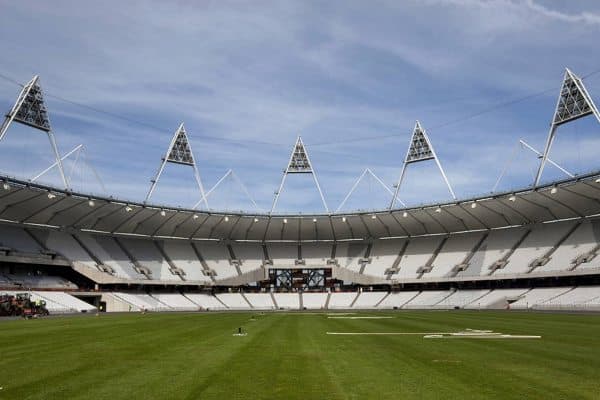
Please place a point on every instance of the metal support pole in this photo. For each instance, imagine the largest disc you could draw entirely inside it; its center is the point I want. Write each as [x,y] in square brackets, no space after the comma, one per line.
[524,143]
[58,160]
[549,141]
[55,164]
[13,112]
[278,192]
[400,179]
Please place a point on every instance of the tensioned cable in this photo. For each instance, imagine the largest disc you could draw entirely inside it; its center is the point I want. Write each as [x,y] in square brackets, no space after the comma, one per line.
[336,142]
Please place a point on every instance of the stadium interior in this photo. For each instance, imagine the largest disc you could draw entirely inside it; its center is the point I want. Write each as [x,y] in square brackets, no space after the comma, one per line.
[534,248]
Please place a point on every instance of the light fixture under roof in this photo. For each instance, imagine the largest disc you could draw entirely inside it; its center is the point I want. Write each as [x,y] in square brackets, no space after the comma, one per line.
[91,203]
[285,220]
[6,186]
[195,216]
[163,213]
[512,198]
[553,190]
[473,205]
[405,214]
[51,196]
[343,219]
[128,208]
[255,219]
[438,210]
[597,180]
[315,220]
[226,218]
[373,216]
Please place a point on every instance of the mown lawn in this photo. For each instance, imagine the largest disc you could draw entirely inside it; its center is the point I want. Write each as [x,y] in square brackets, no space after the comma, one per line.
[289,356]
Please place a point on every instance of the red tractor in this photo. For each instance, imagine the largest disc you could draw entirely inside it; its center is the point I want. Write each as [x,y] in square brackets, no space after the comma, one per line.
[21,305]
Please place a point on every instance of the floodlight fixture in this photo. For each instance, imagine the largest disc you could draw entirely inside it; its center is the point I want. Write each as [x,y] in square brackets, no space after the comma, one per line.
[299,163]
[574,102]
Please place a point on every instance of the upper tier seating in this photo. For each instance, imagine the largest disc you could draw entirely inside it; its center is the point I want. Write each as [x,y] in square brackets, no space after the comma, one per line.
[216,256]
[183,256]
[584,239]
[17,239]
[147,254]
[455,249]
[348,254]
[283,255]
[250,255]
[109,253]
[495,246]
[383,255]
[542,238]
[316,254]
[418,252]
[64,244]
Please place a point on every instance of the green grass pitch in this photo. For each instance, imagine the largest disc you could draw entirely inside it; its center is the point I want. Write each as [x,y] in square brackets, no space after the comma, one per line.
[289,356]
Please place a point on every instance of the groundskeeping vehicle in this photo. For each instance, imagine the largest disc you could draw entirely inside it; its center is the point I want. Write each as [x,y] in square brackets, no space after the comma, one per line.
[21,305]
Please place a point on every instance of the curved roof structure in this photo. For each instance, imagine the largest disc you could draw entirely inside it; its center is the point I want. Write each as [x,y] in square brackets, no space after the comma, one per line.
[27,203]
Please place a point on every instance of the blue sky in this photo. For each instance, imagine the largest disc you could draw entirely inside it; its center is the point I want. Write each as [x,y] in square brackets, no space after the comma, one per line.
[350,77]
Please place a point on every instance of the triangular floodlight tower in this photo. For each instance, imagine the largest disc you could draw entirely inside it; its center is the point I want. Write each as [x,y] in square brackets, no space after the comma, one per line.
[299,164]
[574,102]
[521,144]
[360,178]
[179,152]
[420,149]
[30,110]
[233,176]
